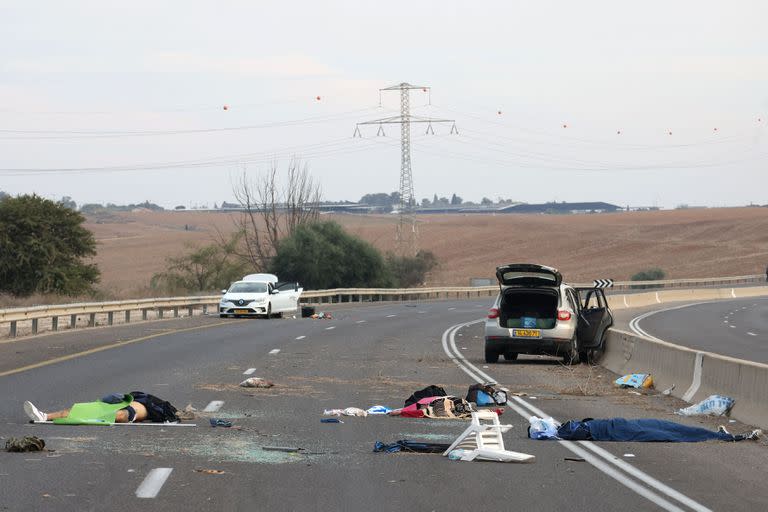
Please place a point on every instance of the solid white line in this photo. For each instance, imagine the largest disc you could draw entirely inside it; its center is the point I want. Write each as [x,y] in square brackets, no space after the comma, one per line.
[214,406]
[300,337]
[594,461]
[274,351]
[696,378]
[477,370]
[249,371]
[330,328]
[153,482]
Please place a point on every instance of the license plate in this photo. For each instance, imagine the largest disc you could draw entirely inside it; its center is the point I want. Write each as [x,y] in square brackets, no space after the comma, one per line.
[242,311]
[527,333]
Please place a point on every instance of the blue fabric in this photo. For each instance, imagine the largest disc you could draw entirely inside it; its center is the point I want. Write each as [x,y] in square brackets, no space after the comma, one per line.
[528,322]
[621,429]
[484,399]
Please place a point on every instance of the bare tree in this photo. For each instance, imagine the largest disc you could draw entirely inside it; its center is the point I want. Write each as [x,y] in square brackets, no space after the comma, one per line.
[274,208]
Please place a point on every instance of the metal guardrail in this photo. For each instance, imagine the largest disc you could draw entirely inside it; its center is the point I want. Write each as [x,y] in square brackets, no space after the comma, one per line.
[159,307]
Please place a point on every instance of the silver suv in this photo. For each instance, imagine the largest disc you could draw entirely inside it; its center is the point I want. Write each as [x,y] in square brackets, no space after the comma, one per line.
[536,313]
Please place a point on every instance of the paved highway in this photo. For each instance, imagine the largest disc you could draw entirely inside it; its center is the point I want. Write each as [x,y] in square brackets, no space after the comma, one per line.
[736,328]
[367,355]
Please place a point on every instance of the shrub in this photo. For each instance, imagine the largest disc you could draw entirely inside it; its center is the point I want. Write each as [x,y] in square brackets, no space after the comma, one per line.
[409,271]
[651,274]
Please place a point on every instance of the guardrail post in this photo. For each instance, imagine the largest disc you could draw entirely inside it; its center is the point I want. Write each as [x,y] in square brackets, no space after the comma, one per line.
[144,314]
[127,316]
[175,312]
[34,326]
[55,323]
[160,312]
[72,321]
[205,309]
[360,298]
[190,310]
[92,320]
[12,334]
[339,298]
[110,318]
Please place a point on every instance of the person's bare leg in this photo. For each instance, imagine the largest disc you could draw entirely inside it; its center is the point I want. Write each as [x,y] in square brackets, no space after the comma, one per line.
[141,413]
[58,414]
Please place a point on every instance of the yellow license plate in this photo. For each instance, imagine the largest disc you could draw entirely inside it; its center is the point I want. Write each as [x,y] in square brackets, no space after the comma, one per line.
[527,333]
[242,311]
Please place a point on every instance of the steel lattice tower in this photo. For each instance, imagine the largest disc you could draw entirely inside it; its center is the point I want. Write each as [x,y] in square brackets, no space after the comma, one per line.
[406,235]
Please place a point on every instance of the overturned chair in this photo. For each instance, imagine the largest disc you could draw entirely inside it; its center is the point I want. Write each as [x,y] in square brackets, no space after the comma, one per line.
[483,440]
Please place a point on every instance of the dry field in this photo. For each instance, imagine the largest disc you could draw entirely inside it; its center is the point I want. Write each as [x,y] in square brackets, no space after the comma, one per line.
[684,243]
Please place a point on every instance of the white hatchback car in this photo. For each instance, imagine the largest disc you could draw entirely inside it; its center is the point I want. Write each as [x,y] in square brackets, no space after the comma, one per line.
[260,295]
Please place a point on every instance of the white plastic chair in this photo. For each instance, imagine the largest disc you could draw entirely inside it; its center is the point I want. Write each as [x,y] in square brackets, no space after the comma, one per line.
[483,440]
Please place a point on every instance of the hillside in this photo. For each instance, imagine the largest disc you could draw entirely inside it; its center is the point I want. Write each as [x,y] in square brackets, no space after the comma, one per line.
[685,243]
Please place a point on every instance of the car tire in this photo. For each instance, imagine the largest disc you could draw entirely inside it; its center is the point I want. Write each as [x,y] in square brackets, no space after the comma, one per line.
[511,356]
[571,355]
[491,356]
[269,310]
[223,315]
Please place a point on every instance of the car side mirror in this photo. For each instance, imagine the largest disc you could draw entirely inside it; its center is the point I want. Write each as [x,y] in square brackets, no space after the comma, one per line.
[223,291]
[275,292]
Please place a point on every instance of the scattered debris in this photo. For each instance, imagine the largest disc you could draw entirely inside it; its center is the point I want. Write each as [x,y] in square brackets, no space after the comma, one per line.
[378,409]
[210,471]
[330,420]
[713,405]
[629,455]
[188,413]
[406,445]
[574,459]
[256,382]
[25,444]
[321,316]
[287,449]
[349,411]
[668,391]
[635,380]
[635,393]
[219,422]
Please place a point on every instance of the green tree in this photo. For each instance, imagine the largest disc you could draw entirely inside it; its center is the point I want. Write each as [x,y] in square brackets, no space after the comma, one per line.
[322,256]
[207,268]
[409,271]
[42,248]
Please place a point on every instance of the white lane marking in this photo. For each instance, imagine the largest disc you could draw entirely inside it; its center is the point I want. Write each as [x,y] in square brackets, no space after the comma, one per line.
[360,321]
[696,377]
[214,406]
[330,328]
[153,482]
[390,316]
[634,324]
[725,321]
[274,351]
[751,333]
[732,326]
[300,337]
[464,365]
[624,465]
[249,371]
[451,309]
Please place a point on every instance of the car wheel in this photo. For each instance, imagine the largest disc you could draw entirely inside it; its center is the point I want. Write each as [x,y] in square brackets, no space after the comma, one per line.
[223,315]
[269,310]
[510,356]
[491,356]
[571,355]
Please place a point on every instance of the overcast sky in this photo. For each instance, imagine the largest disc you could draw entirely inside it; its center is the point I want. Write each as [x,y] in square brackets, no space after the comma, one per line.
[643,103]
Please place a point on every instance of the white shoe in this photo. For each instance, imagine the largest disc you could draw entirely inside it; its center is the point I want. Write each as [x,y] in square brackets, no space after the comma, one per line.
[34,413]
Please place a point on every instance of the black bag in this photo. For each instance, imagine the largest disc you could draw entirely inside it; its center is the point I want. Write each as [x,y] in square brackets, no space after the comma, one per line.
[424,393]
[158,410]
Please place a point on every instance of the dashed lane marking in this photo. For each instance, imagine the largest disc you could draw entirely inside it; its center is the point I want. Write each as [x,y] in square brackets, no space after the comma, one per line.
[300,337]
[390,316]
[153,482]
[274,351]
[751,333]
[249,371]
[330,328]
[360,322]
[214,406]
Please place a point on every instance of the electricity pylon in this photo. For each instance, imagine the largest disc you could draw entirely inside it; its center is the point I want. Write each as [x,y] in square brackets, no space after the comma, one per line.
[406,236]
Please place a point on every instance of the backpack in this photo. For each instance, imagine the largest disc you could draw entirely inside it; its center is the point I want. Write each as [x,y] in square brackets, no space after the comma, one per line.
[484,394]
[424,393]
[158,410]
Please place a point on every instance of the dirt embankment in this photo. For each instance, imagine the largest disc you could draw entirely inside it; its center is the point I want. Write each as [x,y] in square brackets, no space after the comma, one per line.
[684,243]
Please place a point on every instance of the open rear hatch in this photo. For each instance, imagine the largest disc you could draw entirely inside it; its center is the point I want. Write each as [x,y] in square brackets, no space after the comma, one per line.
[528,275]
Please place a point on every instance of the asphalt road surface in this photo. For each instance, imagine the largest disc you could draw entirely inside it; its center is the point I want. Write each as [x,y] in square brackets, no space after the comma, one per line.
[736,328]
[366,355]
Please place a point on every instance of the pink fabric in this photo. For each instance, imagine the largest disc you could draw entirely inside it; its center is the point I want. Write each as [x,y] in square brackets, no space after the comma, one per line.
[413,411]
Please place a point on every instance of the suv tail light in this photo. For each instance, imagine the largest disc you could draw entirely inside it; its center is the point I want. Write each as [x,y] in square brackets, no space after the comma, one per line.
[493,313]
[563,314]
